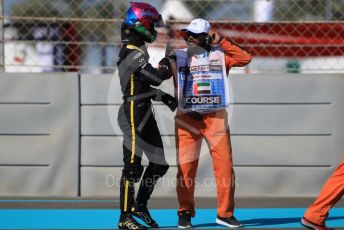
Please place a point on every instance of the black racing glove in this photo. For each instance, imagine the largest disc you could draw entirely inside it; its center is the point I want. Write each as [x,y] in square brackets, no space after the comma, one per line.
[165,62]
[195,115]
[172,56]
[170,101]
[167,99]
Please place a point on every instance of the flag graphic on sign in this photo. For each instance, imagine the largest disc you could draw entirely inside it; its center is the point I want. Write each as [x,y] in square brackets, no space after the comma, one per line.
[201,88]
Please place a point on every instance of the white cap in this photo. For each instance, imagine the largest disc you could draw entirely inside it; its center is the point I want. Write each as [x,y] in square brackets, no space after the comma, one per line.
[198,26]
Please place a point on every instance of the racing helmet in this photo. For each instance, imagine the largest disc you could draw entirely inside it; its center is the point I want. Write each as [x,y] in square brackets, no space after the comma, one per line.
[143,17]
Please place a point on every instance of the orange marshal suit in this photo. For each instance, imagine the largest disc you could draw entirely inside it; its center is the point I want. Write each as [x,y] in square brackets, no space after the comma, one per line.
[330,194]
[214,128]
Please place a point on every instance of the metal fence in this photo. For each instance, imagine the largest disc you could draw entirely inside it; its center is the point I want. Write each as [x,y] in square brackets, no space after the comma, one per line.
[83,35]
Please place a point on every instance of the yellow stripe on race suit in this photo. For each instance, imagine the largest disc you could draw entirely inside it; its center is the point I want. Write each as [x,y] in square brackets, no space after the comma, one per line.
[132,47]
[132,123]
[126,196]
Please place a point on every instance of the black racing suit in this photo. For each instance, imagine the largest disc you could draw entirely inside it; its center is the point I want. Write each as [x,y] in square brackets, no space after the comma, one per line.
[137,122]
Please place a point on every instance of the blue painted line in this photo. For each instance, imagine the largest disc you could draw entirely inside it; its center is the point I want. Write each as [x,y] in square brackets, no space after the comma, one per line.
[167,218]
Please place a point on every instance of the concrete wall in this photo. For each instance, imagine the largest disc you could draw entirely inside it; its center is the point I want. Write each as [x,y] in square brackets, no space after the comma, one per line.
[287,135]
[39,134]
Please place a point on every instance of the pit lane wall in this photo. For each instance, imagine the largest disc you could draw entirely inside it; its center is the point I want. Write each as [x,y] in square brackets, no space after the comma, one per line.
[59,135]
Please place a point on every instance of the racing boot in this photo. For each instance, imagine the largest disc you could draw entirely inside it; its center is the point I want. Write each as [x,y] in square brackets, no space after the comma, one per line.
[142,212]
[127,221]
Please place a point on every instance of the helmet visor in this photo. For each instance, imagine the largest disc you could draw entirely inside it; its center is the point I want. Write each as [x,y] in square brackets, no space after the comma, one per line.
[159,23]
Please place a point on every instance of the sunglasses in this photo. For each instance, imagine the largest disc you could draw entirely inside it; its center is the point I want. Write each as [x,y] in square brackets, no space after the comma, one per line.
[189,34]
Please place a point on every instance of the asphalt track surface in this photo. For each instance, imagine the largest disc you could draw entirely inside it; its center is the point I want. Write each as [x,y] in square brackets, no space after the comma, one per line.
[102,213]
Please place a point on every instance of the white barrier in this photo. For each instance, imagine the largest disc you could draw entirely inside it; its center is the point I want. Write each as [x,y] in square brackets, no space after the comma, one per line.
[287,135]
